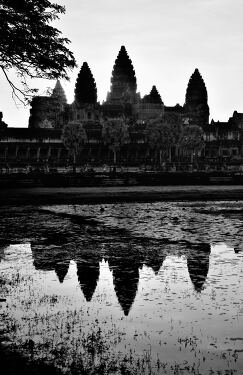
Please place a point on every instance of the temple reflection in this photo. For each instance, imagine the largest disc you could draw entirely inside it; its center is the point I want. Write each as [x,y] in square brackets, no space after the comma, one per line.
[2,249]
[124,262]
[125,258]
[155,259]
[50,258]
[198,265]
[61,270]
[88,271]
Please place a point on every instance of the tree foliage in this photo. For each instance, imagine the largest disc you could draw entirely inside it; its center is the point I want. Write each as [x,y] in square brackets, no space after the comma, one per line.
[192,138]
[30,44]
[191,141]
[115,134]
[74,138]
[163,133]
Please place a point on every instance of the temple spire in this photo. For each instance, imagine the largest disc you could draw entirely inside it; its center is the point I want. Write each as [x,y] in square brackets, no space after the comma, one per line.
[59,93]
[196,104]
[196,90]
[154,97]
[85,87]
[123,80]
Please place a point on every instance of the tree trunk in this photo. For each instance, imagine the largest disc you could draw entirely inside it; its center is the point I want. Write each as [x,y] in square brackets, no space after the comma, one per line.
[74,162]
[160,157]
[169,154]
[114,156]
[192,157]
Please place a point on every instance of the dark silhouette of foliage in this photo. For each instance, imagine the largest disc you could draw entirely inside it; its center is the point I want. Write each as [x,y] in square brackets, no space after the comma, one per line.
[85,87]
[191,141]
[115,134]
[74,137]
[164,133]
[30,45]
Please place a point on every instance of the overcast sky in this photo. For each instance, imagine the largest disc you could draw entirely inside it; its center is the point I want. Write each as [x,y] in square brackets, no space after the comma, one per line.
[166,40]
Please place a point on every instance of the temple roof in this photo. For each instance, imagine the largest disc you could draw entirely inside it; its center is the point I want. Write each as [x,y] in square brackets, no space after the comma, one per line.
[59,93]
[154,97]
[196,90]
[85,87]
[123,70]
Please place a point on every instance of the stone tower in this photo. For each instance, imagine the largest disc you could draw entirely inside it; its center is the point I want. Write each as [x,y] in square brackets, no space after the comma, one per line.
[59,94]
[85,87]
[151,106]
[196,104]
[47,111]
[123,80]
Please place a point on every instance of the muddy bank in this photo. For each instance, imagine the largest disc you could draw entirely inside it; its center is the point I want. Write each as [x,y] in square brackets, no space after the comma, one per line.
[90,195]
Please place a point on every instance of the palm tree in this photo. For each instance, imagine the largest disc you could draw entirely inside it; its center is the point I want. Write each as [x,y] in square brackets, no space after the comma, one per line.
[74,138]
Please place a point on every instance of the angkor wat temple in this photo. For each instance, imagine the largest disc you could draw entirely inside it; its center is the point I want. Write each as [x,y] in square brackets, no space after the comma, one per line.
[41,141]
[123,100]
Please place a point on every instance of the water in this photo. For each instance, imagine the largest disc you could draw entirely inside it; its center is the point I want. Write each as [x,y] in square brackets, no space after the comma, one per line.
[149,288]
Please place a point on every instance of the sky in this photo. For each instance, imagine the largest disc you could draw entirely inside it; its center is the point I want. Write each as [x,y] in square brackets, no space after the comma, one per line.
[165,39]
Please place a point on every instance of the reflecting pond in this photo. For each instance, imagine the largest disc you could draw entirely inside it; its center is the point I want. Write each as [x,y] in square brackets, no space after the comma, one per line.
[152,288]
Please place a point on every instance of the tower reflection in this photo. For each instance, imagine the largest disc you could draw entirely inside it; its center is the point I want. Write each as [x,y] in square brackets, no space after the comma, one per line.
[124,262]
[155,258]
[198,265]
[88,271]
[125,258]
[49,258]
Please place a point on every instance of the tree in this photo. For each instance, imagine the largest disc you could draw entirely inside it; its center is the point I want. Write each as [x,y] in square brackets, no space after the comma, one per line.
[115,134]
[192,140]
[74,138]
[174,121]
[30,45]
[163,133]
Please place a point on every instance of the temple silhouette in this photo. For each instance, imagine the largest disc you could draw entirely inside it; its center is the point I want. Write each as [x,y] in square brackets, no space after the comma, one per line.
[122,101]
[125,260]
[198,265]
[88,271]
[41,142]
[47,258]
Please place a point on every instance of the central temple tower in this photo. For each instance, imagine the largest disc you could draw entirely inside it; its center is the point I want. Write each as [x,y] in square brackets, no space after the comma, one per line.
[123,80]
[196,104]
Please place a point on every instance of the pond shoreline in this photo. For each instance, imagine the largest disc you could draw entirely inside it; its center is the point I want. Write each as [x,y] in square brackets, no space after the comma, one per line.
[102,195]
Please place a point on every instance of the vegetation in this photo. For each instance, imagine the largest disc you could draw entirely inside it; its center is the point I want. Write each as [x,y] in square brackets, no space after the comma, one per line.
[162,134]
[159,138]
[30,45]
[115,134]
[192,140]
[74,137]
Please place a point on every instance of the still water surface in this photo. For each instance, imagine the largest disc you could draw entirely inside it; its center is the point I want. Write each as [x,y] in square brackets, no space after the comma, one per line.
[157,286]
